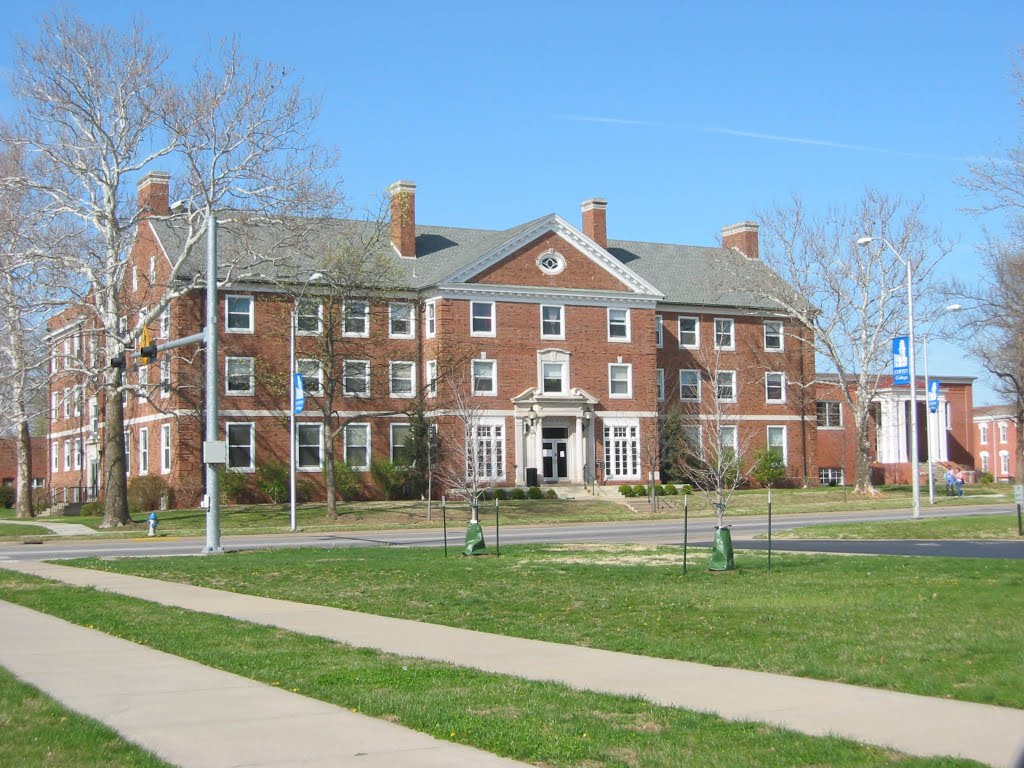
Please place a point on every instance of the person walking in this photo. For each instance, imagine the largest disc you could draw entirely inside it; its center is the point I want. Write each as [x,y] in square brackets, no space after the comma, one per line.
[958,478]
[950,481]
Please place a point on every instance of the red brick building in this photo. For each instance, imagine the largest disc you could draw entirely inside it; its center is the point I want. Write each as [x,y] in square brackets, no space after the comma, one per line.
[995,441]
[9,463]
[570,346]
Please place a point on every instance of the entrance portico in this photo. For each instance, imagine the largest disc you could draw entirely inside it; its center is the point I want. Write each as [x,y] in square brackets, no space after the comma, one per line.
[555,436]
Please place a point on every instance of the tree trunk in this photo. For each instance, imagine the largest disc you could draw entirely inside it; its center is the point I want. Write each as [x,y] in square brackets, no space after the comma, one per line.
[24,505]
[329,466]
[115,478]
[1019,474]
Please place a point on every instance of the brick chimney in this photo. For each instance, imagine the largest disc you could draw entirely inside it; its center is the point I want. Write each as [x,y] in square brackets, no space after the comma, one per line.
[742,237]
[154,194]
[403,218]
[595,220]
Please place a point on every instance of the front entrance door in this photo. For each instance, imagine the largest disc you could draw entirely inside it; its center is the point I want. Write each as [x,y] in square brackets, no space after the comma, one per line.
[555,451]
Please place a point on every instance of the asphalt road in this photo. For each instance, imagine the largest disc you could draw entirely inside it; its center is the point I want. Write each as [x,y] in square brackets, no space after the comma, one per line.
[700,533]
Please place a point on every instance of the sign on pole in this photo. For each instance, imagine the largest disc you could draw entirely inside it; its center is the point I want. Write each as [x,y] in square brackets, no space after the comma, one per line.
[933,396]
[1018,494]
[901,360]
[300,394]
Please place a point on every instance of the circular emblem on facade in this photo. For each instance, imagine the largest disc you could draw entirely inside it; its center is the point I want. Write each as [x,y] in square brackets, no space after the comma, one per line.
[551,263]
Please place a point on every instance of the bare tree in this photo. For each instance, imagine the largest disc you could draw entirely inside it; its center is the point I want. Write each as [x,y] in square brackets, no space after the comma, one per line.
[99,108]
[852,300]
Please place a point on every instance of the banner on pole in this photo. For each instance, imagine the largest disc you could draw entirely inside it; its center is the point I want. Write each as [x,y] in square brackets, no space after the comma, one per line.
[901,360]
[933,396]
[300,394]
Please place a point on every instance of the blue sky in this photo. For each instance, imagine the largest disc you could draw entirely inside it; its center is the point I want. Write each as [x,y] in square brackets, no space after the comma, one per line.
[685,116]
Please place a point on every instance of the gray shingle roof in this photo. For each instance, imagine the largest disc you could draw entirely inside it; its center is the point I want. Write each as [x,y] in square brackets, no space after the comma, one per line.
[688,275]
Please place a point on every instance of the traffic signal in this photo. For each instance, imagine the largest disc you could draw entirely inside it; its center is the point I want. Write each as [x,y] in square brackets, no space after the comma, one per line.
[117,362]
[147,349]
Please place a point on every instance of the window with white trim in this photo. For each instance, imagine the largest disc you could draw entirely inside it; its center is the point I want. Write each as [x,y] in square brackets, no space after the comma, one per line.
[1004,463]
[239,376]
[355,378]
[484,377]
[431,378]
[94,415]
[164,324]
[689,385]
[127,452]
[830,413]
[947,409]
[54,456]
[401,320]
[553,378]
[431,318]
[165,376]
[725,333]
[238,314]
[143,382]
[402,378]
[78,453]
[985,462]
[54,406]
[144,451]
[830,476]
[485,449]
[165,448]
[67,456]
[79,395]
[551,263]
[1003,432]
[621,449]
[618,324]
[659,383]
[725,383]
[773,339]
[312,376]
[357,446]
[774,387]
[310,446]
[777,442]
[689,333]
[552,324]
[67,402]
[481,318]
[241,446]
[309,314]
[659,331]
[620,380]
[727,438]
[983,434]
[401,453]
[356,319]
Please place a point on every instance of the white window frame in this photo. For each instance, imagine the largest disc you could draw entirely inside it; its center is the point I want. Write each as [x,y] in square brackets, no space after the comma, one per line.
[625,323]
[985,463]
[733,430]
[410,308]
[696,375]
[718,387]
[227,376]
[838,408]
[54,406]
[683,334]
[1004,432]
[785,440]
[55,456]
[77,446]
[67,402]
[492,319]
[431,383]
[782,387]
[252,445]
[780,334]
[144,450]
[165,449]
[491,444]
[143,384]
[163,326]
[629,381]
[1004,462]
[304,426]
[67,456]
[165,377]
[473,378]
[412,378]
[345,392]
[299,314]
[391,437]
[228,313]
[983,434]
[826,475]
[365,428]
[563,377]
[430,318]
[659,384]
[621,439]
[346,315]
[731,345]
[307,377]
[659,331]
[561,322]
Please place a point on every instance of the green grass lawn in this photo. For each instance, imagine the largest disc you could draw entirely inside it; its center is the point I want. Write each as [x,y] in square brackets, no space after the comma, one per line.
[1001,526]
[37,731]
[541,723]
[363,515]
[10,529]
[932,626]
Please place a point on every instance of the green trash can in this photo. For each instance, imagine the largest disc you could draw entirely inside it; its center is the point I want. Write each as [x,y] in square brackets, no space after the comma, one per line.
[474,539]
[721,551]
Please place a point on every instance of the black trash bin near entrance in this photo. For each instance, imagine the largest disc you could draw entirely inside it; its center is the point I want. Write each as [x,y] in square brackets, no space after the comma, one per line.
[531,478]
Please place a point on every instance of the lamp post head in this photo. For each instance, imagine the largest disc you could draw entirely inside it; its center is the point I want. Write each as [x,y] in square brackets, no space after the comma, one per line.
[954,308]
[864,240]
[315,276]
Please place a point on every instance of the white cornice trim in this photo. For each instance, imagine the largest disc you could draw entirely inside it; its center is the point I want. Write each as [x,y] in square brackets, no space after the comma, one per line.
[532,295]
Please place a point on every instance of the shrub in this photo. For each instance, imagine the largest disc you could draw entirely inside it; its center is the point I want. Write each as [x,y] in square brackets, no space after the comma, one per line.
[534,493]
[518,494]
[671,490]
[232,485]
[145,493]
[92,509]
[305,490]
[500,494]
[686,489]
[272,481]
[389,477]
[346,482]
[6,496]
[769,467]
[659,489]
[626,489]
[986,478]
[639,489]
[550,494]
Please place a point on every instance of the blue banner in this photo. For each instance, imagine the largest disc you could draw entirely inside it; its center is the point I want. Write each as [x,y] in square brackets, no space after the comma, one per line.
[901,360]
[933,395]
[300,394]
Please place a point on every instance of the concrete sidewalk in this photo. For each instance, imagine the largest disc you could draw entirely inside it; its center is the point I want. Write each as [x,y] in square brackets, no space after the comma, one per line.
[917,725]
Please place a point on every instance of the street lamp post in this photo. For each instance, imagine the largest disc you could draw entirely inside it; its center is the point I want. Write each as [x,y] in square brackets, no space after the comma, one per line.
[928,429]
[291,388]
[915,466]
